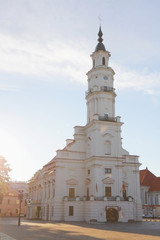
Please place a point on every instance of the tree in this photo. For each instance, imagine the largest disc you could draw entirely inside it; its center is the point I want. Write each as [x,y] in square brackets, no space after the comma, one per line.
[4,176]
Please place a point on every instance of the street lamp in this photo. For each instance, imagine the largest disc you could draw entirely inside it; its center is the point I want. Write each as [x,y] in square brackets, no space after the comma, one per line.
[20,198]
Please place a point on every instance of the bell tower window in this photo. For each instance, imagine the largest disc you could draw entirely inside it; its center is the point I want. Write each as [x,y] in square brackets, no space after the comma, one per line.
[93,62]
[103,61]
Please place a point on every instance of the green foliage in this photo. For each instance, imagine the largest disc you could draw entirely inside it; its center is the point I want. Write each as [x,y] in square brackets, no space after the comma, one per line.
[4,170]
[4,176]
[3,190]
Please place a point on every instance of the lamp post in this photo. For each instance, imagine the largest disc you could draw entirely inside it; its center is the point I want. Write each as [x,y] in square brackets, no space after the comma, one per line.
[20,198]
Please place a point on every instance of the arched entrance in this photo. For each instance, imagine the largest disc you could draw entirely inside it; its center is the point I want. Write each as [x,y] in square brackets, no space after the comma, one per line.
[112,215]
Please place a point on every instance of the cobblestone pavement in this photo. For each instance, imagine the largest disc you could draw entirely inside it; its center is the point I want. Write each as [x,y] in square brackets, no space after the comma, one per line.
[41,230]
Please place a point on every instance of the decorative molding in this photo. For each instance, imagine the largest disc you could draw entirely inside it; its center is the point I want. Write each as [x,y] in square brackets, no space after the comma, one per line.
[72,181]
[96,165]
[119,166]
[87,181]
[108,180]
[106,134]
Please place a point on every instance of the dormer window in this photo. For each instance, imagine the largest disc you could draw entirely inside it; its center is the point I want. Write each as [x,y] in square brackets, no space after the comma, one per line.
[103,61]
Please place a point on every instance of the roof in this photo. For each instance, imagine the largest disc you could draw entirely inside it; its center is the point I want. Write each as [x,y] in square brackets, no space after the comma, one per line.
[148,179]
[100,45]
[47,169]
[155,186]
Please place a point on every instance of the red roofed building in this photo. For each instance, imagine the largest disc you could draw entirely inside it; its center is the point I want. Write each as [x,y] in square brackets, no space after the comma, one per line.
[150,192]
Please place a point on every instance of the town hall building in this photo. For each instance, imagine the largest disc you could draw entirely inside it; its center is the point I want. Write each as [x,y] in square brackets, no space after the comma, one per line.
[92,178]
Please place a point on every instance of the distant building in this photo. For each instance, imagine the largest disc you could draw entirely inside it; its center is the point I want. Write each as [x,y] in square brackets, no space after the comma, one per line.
[150,193]
[93,178]
[9,206]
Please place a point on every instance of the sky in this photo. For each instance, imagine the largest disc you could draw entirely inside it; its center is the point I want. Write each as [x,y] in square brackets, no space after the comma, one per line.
[45,48]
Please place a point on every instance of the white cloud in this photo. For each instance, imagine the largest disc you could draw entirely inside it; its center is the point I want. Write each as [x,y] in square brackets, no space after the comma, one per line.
[67,59]
[42,60]
[148,82]
[5,87]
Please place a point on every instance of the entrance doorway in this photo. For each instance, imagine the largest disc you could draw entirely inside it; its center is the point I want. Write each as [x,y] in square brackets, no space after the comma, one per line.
[112,215]
[39,212]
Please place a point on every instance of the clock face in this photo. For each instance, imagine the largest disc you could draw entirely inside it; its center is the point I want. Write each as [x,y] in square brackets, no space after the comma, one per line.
[105,77]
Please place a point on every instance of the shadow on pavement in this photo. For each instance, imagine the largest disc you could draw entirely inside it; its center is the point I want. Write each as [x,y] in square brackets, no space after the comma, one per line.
[41,230]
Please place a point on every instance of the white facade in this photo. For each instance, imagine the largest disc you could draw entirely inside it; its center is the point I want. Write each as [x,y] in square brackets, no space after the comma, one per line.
[93,178]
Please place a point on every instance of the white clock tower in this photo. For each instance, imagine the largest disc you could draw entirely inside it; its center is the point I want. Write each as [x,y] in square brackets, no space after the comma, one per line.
[92,178]
[100,95]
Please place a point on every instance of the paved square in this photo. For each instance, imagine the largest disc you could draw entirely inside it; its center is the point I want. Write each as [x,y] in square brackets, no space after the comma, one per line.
[40,230]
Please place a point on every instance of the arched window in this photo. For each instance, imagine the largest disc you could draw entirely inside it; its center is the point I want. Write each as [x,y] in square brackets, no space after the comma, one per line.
[89,146]
[108,147]
[103,61]
[93,62]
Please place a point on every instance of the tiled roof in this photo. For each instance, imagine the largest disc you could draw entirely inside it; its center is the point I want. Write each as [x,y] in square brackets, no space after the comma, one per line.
[155,185]
[149,179]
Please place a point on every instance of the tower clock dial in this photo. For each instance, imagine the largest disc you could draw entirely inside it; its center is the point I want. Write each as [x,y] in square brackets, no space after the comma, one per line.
[105,77]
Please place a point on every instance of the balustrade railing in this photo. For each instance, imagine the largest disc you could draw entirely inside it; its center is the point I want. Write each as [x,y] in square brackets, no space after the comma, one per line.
[107,118]
[102,89]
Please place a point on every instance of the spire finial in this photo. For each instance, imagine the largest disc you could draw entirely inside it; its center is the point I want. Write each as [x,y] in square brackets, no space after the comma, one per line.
[100,45]
[100,34]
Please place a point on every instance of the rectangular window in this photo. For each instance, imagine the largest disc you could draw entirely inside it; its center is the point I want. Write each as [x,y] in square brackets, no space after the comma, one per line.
[124,194]
[43,211]
[87,193]
[145,197]
[53,192]
[156,200]
[107,191]
[71,192]
[88,171]
[71,210]
[52,211]
[108,170]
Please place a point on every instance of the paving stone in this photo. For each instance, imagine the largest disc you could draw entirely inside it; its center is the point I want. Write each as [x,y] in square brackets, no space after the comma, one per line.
[5,237]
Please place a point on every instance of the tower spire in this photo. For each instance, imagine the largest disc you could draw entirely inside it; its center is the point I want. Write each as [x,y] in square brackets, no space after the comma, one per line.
[100,45]
[100,34]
